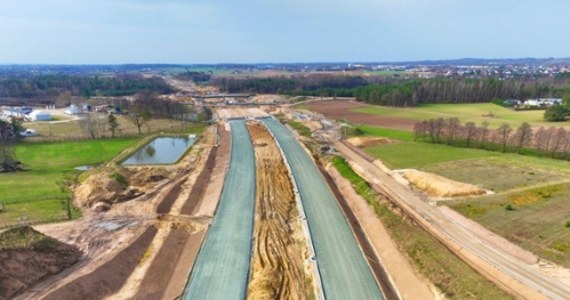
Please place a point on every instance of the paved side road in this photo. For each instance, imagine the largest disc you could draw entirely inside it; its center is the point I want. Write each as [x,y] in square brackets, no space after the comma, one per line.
[221,270]
[516,276]
[344,271]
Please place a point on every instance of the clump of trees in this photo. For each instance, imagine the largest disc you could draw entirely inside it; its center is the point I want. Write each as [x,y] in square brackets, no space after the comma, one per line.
[194,76]
[9,136]
[558,113]
[553,142]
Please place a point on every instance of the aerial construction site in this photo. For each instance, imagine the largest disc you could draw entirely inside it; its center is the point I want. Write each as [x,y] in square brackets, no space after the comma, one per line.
[252,209]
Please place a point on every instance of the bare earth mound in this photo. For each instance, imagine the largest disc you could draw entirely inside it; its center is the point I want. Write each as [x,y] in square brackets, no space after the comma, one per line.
[363,142]
[279,269]
[437,186]
[107,186]
[27,256]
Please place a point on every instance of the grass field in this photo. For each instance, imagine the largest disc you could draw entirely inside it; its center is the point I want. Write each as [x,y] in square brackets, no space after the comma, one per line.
[449,273]
[72,129]
[406,154]
[500,173]
[465,112]
[386,132]
[537,221]
[537,188]
[48,163]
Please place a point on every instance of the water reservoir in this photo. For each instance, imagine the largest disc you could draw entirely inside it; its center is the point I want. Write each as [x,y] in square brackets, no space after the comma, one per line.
[162,150]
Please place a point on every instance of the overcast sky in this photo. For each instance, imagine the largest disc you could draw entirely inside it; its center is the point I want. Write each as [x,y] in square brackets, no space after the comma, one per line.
[239,31]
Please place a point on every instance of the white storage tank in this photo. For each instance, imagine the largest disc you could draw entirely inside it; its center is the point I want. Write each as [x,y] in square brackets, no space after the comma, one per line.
[38,115]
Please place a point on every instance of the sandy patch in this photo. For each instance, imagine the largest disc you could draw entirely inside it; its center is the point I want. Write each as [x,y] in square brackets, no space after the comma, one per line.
[280,267]
[362,142]
[437,186]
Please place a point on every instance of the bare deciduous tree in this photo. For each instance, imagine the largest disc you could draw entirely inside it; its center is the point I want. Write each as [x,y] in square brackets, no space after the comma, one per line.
[91,125]
[558,140]
[483,133]
[523,135]
[439,125]
[504,133]
[452,125]
[420,130]
[470,132]
[139,116]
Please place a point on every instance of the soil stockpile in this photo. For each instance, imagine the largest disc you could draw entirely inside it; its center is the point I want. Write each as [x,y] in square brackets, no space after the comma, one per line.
[279,269]
[27,256]
[109,185]
[365,141]
[437,186]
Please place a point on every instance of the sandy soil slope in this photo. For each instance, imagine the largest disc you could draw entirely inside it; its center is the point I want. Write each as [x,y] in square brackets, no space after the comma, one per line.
[437,186]
[27,256]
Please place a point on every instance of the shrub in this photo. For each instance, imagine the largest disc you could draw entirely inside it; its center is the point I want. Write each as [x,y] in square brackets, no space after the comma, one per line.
[555,113]
[499,102]
[122,180]
[509,207]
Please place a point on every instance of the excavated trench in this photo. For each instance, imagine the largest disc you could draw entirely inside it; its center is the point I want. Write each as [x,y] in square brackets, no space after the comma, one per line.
[280,267]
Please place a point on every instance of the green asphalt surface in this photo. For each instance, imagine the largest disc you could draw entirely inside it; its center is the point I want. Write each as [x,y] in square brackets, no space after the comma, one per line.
[343,269]
[221,270]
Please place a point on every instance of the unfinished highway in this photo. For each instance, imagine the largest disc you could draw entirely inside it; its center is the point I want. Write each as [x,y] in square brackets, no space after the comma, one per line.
[221,270]
[223,266]
[341,263]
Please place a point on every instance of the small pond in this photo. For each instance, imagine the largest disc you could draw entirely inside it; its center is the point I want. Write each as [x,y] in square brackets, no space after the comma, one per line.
[85,168]
[162,150]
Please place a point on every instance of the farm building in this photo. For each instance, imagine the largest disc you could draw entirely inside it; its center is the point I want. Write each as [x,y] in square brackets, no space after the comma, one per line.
[512,102]
[73,110]
[542,102]
[534,103]
[38,115]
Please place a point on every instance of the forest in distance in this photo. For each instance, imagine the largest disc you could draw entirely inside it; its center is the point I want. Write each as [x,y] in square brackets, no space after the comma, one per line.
[400,91]
[378,90]
[80,85]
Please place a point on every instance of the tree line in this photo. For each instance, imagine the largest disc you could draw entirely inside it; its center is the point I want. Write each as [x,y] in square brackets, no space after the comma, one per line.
[552,141]
[310,85]
[85,86]
[399,92]
[459,90]
[194,76]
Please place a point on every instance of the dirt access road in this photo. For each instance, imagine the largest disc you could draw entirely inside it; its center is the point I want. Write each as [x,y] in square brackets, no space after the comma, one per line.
[515,276]
[280,268]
